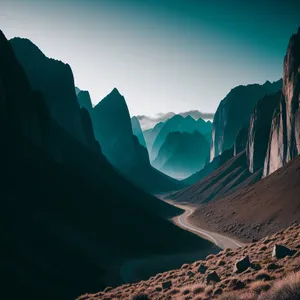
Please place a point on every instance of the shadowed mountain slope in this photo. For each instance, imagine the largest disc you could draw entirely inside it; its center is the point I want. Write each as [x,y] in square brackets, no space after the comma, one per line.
[69,220]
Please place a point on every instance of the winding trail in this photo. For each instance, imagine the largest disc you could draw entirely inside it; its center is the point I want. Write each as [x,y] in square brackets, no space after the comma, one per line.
[218,239]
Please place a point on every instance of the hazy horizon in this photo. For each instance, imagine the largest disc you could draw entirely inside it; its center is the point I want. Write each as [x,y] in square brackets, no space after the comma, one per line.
[163,56]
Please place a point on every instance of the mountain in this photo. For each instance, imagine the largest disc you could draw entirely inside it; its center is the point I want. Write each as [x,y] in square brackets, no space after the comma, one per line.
[148,122]
[182,154]
[210,167]
[137,131]
[259,132]
[284,143]
[113,130]
[77,90]
[234,113]
[43,74]
[151,134]
[181,124]
[85,101]
[68,225]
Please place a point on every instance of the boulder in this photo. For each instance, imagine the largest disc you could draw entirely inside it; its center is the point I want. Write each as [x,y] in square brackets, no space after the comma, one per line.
[242,265]
[212,277]
[166,285]
[280,251]
[202,269]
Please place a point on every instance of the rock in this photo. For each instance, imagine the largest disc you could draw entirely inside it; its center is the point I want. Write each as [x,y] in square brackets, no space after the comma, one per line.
[280,251]
[212,277]
[242,265]
[272,266]
[263,277]
[218,291]
[190,274]
[166,285]
[236,284]
[202,269]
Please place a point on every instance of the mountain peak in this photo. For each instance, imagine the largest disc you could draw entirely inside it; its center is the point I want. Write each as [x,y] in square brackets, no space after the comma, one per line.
[115,92]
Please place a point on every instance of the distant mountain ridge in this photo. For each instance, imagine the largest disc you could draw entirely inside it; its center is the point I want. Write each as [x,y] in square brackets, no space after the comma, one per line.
[182,154]
[181,124]
[137,131]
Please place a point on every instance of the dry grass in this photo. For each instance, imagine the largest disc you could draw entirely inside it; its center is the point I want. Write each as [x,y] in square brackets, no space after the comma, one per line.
[285,289]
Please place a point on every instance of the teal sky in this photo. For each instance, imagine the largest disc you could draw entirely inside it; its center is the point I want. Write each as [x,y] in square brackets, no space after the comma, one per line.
[162,55]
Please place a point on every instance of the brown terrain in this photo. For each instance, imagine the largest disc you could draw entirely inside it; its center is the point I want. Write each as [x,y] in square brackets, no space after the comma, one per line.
[256,210]
[256,271]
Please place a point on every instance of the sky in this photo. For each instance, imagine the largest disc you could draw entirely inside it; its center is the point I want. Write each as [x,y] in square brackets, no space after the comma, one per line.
[162,55]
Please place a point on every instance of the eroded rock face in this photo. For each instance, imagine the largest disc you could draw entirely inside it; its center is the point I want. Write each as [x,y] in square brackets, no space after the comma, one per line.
[259,131]
[241,140]
[284,143]
[234,113]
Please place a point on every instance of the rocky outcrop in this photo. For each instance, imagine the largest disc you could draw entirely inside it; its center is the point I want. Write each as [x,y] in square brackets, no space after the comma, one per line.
[284,143]
[234,113]
[137,131]
[55,81]
[259,132]
[182,154]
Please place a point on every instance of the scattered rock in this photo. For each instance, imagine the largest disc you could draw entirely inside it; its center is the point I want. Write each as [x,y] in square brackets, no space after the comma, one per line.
[166,285]
[190,274]
[218,291]
[236,284]
[202,269]
[272,266]
[263,277]
[280,251]
[212,277]
[242,265]
[107,289]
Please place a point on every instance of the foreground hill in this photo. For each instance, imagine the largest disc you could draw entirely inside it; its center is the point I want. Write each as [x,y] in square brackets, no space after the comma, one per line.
[261,275]
[69,221]
[182,154]
[256,210]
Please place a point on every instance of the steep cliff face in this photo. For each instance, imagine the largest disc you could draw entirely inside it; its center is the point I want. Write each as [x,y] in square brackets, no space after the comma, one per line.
[113,130]
[234,113]
[284,141]
[259,131]
[55,81]
[151,134]
[137,131]
[241,140]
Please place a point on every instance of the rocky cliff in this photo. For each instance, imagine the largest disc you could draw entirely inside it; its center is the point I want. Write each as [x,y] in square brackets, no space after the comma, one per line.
[259,131]
[284,143]
[234,113]
[84,100]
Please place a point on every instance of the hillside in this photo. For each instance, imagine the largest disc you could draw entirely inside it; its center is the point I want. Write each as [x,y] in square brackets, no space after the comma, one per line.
[260,276]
